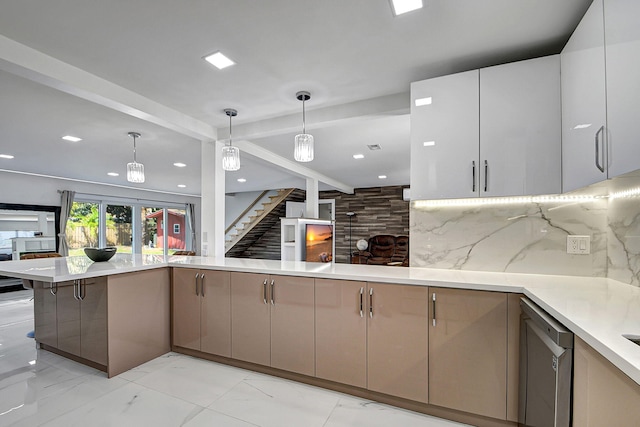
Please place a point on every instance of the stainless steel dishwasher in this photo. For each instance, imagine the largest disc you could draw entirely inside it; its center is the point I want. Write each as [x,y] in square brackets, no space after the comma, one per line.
[546,368]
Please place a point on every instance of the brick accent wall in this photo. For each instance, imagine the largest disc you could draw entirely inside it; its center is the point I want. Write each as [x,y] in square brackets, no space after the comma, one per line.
[379,210]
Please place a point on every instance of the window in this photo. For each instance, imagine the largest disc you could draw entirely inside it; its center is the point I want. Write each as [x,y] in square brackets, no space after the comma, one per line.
[133,226]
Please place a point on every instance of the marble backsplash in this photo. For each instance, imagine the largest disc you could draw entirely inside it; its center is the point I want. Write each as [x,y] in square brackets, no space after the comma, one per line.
[515,237]
[530,237]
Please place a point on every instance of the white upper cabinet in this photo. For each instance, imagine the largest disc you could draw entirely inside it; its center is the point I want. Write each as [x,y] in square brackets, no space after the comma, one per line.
[584,103]
[622,35]
[444,137]
[489,132]
[520,128]
[601,95]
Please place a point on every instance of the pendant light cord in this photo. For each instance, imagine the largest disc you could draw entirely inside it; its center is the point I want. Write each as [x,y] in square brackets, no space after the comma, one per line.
[134,149]
[230,130]
[303,117]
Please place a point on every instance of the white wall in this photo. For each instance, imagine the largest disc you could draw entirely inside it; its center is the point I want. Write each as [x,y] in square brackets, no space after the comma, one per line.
[236,203]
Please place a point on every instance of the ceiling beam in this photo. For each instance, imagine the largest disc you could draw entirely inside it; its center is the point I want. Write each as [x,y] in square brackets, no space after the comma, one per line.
[36,66]
[395,104]
[293,167]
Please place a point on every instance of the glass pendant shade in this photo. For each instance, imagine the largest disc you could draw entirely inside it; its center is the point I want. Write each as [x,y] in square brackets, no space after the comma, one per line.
[230,158]
[135,172]
[230,154]
[303,143]
[303,148]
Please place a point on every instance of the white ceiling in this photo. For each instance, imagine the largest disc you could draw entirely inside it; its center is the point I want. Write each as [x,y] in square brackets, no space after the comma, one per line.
[341,51]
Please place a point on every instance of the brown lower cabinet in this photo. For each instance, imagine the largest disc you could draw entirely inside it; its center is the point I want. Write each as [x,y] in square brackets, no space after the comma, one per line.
[602,394]
[373,335]
[341,331]
[468,351]
[381,337]
[202,310]
[113,323]
[397,340]
[82,318]
[272,320]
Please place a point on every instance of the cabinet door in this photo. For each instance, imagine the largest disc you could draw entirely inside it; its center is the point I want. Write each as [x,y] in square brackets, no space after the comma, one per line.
[215,326]
[397,340]
[93,320]
[584,102]
[45,314]
[292,324]
[445,137]
[341,331]
[602,394]
[520,130]
[186,308]
[468,351]
[623,85]
[68,311]
[250,318]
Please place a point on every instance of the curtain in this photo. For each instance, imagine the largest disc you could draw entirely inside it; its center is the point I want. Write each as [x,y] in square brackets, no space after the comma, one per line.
[66,201]
[191,218]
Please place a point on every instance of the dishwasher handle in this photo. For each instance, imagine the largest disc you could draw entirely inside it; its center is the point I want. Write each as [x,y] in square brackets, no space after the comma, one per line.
[552,328]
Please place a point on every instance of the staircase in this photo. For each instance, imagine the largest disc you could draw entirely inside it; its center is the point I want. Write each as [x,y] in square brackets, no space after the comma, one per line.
[264,216]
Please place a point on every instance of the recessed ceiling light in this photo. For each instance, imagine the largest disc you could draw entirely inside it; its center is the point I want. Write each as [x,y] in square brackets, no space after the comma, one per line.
[382,176]
[242,180]
[6,156]
[71,138]
[358,156]
[423,101]
[374,147]
[113,174]
[429,143]
[219,60]
[182,186]
[403,6]
[180,165]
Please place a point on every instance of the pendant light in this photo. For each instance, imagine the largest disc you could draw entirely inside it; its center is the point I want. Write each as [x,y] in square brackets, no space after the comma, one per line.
[303,148]
[135,170]
[230,154]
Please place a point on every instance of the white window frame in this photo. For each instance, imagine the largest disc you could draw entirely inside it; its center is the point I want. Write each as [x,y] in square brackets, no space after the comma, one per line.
[136,224]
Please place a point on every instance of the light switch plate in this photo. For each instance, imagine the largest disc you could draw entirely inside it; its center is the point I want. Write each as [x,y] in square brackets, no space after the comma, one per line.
[580,245]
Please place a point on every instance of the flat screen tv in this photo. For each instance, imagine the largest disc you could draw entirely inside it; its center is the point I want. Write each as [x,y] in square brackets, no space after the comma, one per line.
[319,243]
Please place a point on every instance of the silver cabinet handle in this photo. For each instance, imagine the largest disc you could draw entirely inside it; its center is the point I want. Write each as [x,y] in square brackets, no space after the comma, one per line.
[486,175]
[202,285]
[264,291]
[371,303]
[81,285]
[473,176]
[196,279]
[361,301]
[433,304]
[273,292]
[75,290]
[598,165]
[54,288]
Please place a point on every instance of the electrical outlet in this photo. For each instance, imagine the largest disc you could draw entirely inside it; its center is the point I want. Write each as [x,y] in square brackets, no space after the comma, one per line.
[580,245]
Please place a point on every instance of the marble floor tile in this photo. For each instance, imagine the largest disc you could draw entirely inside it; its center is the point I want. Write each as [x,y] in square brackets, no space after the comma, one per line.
[131,405]
[274,402]
[196,381]
[354,412]
[39,388]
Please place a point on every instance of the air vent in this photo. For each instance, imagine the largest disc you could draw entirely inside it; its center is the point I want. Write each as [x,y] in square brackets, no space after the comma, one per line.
[374,147]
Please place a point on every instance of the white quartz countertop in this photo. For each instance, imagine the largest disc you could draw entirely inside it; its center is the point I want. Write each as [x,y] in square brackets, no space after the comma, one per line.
[597,310]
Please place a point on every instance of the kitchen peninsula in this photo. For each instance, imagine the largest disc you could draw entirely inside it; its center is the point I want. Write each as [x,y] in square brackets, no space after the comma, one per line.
[131,321]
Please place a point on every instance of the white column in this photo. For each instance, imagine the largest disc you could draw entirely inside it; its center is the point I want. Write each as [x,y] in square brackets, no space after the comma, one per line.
[136,229]
[312,209]
[212,201]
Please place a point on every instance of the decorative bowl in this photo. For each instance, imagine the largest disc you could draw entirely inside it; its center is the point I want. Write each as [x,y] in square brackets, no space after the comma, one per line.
[100,254]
